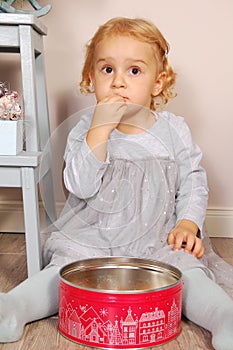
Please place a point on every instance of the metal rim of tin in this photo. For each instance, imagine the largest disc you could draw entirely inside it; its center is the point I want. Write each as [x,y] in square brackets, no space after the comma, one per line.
[120,262]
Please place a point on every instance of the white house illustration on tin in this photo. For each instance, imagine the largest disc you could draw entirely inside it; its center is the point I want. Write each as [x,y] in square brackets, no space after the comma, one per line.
[85,323]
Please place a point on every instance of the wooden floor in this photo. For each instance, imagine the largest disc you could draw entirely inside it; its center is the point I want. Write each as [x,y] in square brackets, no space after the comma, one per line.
[43,335]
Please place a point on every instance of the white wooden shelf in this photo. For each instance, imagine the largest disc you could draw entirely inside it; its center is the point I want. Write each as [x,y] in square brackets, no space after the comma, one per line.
[23,33]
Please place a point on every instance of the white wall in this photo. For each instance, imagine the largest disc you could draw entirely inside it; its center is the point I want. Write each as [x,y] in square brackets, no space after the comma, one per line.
[200,34]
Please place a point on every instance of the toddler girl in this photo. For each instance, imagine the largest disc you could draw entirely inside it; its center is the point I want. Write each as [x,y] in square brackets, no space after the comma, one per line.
[136,185]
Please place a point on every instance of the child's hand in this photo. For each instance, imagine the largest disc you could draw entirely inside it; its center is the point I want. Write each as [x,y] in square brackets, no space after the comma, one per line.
[108,113]
[184,235]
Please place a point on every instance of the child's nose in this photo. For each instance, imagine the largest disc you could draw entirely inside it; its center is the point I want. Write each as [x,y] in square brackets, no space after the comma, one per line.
[118,81]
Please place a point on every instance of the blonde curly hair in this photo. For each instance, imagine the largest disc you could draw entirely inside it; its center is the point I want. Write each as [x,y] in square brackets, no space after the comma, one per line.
[144,31]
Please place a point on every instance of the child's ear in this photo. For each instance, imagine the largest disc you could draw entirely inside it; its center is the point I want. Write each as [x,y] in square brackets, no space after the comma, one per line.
[91,78]
[92,88]
[159,84]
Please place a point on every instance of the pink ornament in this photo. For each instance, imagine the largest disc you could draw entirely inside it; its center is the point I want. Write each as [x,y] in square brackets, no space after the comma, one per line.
[9,106]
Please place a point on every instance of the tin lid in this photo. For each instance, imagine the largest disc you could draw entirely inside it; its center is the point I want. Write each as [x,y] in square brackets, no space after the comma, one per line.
[120,275]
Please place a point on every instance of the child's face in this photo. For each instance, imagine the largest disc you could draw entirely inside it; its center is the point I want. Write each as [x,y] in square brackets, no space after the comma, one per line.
[128,68]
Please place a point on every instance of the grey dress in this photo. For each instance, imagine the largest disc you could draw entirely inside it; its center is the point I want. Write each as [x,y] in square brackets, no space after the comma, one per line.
[127,205]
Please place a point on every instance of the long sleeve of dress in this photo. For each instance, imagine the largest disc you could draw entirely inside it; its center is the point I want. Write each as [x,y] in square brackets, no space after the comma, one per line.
[83,171]
[192,191]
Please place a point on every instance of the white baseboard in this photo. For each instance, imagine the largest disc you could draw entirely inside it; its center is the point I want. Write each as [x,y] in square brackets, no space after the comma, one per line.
[219,220]
[11,216]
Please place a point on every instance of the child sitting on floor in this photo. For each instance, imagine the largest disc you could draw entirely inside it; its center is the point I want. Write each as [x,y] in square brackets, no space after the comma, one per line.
[136,185]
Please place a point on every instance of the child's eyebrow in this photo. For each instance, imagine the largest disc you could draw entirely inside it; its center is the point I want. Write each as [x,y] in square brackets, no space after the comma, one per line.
[100,60]
[128,61]
[135,61]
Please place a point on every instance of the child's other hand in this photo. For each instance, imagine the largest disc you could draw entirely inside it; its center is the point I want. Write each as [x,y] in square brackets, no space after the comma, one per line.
[184,235]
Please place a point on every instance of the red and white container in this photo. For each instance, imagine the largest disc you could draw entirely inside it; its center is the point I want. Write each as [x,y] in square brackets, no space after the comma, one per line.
[120,303]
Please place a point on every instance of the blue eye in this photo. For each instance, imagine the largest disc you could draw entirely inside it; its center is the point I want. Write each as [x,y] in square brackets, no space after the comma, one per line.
[135,71]
[107,70]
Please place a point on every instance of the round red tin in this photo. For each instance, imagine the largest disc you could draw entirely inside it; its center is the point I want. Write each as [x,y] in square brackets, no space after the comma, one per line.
[120,303]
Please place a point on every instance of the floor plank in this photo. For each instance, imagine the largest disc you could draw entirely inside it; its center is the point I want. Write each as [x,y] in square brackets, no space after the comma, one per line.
[44,335]
[12,243]
[13,268]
